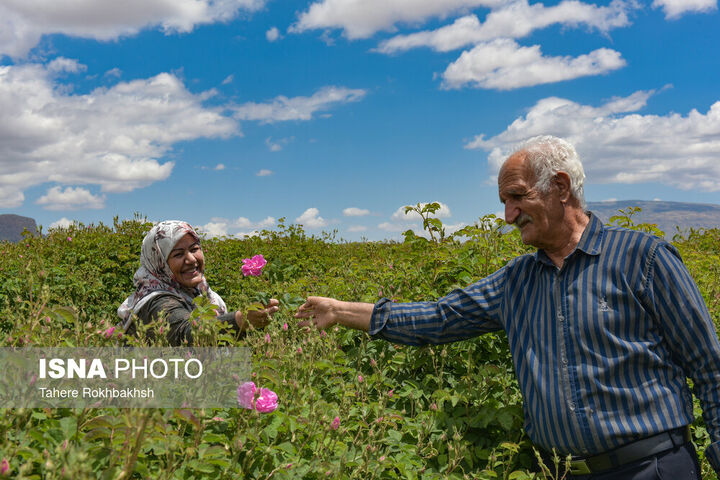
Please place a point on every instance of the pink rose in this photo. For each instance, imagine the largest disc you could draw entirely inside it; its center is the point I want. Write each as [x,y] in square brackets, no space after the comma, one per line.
[109,332]
[246,395]
[285,327]
[253,266]
[267,401]
[335,423]
[360,378]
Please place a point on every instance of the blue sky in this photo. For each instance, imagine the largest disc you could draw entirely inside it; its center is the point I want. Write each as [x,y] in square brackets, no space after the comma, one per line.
[335,114]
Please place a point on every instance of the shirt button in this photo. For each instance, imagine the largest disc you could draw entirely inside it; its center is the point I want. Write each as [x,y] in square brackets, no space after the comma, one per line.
[571,406]
[561,318]
[564,361]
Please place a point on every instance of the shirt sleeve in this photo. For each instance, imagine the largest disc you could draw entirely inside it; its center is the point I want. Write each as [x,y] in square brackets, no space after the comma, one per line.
[463,313]
[693,340]
[177,315]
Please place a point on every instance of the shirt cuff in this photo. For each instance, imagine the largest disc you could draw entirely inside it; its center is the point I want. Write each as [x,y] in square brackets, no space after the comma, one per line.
[712,453]
[229,320]
[380,315]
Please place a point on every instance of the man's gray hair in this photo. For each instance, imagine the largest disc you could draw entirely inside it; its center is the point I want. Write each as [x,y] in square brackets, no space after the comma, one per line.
[549,155]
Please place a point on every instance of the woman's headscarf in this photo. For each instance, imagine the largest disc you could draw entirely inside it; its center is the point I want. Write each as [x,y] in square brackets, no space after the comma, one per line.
[154,276]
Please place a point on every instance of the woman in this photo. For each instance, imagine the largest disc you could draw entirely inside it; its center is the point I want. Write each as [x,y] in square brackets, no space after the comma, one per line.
[170,276]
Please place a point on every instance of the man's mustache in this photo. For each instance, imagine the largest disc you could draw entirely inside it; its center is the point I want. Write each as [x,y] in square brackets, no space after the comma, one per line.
[522,220]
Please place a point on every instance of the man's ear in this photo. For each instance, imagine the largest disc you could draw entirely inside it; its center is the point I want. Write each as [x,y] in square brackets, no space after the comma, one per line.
[562,182]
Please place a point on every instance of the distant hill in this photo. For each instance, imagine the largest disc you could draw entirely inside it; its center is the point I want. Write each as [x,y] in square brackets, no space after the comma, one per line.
[12,226]
[667,215]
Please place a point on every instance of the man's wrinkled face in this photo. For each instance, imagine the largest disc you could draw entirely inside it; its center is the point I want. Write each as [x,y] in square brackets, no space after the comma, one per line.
[525,207]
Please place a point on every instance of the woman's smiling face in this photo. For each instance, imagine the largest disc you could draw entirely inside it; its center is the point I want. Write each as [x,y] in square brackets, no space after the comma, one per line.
[187,262]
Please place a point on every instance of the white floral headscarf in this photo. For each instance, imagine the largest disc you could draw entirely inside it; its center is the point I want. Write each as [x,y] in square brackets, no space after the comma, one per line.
[154,276]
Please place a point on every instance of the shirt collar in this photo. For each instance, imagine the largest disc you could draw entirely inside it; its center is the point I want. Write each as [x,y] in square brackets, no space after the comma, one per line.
[590,241]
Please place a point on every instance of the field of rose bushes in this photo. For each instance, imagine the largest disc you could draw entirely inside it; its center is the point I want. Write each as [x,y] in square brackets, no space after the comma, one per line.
[348,407]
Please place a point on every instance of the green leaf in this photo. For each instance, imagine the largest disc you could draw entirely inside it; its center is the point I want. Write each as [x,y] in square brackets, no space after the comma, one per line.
[68,425]
[505,419]
[187,416]
[518,475]
[202,467]
[97,433]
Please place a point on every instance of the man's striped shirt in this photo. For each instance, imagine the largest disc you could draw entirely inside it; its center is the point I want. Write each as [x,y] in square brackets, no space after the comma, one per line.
[601,347]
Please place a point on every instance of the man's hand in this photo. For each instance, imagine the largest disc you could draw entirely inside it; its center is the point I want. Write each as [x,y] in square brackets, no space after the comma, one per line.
[320,311]
[325,312]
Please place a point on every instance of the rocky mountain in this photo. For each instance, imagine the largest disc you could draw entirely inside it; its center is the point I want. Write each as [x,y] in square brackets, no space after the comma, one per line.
[669,216]
[12,226]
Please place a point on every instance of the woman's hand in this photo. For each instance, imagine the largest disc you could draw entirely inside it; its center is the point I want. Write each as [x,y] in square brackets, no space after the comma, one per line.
[257,318]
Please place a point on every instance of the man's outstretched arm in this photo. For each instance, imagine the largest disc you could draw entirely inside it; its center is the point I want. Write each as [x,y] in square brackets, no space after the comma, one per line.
[325,312]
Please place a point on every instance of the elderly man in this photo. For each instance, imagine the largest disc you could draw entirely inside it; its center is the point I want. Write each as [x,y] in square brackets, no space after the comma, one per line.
[604,325]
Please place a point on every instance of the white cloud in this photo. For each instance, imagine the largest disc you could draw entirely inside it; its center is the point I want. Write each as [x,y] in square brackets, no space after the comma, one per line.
[253,233]
[401,222]
[112,137]
[676,8]
[452,228]
[242,226]
[418,230]
[355,212]
[273,34]
[516,20]
[23,23]
[622,146]
[277,145]
[443,212]
[228,80]
[503,65]
[311,219]
[264,172]
[357,228]
[282,108]
[114,72]
[219,166]
[62,223]
[70,199]
[361,19]
[245,223]
[214,229]
[68,65]
[392,227]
